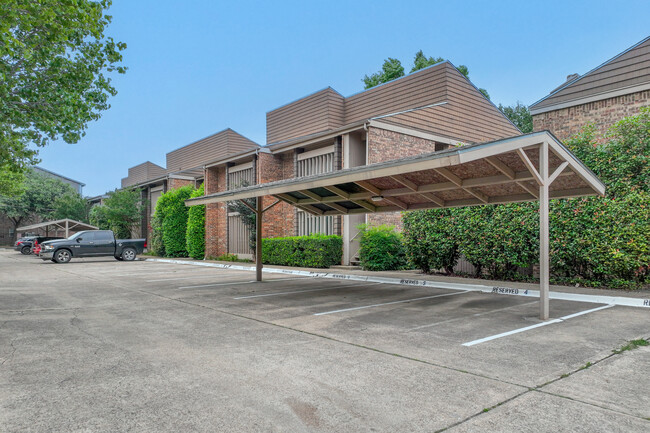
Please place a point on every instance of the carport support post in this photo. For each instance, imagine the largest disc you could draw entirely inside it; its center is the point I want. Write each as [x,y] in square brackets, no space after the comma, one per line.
[258,238]
[67,229]
[543,233]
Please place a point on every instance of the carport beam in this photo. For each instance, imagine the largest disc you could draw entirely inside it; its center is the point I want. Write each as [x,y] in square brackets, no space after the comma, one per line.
[543,233]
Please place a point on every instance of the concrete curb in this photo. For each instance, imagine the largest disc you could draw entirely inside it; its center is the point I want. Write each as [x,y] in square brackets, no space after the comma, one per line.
[498,290]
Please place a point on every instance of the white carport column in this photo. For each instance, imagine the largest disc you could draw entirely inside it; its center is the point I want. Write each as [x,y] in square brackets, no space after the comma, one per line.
[67,229]
[543,233]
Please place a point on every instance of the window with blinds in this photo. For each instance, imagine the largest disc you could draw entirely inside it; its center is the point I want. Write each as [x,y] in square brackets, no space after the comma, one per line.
[310,163]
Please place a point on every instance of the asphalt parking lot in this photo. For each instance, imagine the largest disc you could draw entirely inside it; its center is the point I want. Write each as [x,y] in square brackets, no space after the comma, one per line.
[101,345]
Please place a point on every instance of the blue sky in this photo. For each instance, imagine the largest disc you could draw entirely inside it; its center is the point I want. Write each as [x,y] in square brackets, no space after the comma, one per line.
[199,66]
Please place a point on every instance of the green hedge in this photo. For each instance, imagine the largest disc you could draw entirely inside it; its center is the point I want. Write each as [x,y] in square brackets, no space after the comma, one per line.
[597,241]
[381,249]
[314,251]
[170,223]
[195,235]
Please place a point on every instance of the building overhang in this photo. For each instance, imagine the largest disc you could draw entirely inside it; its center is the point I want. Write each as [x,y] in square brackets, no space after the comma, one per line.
[500,171]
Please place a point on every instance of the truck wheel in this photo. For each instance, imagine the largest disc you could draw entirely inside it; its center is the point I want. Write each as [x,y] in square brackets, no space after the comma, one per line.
[26,250]
[62,256]
[128,254]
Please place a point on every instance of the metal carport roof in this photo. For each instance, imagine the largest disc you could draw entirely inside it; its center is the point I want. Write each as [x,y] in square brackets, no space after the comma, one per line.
[66,224]
[530,167]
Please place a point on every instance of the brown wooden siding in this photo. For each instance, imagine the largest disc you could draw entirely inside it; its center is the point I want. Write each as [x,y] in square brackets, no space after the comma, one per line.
[416,90]
[629,69]
[142,173]
[320,111]
[212,148]
[467,116]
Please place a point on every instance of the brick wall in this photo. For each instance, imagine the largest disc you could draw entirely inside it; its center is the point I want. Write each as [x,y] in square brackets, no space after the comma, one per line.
[386,145]
[603,114]
[177,183]
[278,221]
[216,220]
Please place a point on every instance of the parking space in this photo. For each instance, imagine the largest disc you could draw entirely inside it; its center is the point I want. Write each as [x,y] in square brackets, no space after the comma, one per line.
[294,352]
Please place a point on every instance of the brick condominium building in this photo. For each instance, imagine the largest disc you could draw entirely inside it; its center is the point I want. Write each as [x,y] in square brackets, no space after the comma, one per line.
[603,96]
[426,111]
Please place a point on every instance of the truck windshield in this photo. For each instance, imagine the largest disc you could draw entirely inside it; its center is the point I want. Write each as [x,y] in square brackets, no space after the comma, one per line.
[75,236]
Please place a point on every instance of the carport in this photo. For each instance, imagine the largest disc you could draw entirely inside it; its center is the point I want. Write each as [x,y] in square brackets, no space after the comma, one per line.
[64,224]
[532,167]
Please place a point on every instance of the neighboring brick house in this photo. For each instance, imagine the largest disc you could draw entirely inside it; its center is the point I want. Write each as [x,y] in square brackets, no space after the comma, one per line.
[603,96]
[423,112]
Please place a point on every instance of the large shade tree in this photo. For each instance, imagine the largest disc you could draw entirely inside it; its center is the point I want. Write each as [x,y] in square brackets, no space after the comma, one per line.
[392,69]
[54,64]
[41,197]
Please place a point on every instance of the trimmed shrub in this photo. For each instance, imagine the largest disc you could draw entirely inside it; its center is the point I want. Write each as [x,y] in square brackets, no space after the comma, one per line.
[170,223]
[195,235]
[430,239]
[313,251]
[381,249]
[603,240]
[499,239]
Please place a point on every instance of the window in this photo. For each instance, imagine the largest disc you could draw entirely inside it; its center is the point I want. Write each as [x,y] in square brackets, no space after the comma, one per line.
[310,163]
[103,236]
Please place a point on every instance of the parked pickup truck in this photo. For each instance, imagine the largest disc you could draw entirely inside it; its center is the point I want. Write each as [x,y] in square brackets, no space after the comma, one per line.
[91,243]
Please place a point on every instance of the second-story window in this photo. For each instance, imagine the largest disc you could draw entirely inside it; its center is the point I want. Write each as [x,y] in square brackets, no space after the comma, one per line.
[309,163]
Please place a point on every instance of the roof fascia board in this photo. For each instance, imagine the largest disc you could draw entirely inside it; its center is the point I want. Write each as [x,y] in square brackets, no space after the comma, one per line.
[415,133]
[315,138]
[58,175]
[593,98]
[232,158]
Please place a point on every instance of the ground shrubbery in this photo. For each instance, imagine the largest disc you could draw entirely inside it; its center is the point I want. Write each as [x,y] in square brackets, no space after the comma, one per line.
[381,249]
[195,236]
[596,241]
[169,223]
[313,251]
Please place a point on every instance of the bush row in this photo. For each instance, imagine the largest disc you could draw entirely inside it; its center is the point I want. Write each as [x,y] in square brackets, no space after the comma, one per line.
[596,240]
[314,251]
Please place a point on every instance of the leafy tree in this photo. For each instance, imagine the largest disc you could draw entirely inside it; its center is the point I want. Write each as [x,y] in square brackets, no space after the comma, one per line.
[196,227]
[71,205]
[98,217]
[392,69]
[37,199]
[421,61]
[53,59]
[519,115]
[121,212]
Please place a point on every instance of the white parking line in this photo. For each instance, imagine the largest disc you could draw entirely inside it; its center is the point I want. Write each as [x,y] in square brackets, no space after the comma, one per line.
[455,319]
[241,282]
[209,275]
[538,325]
[389,303]
[304,291]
